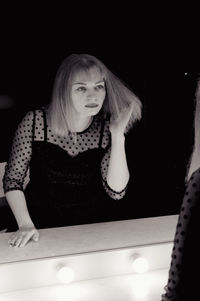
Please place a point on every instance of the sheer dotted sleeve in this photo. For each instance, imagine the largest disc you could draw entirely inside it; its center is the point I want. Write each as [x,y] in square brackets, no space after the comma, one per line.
[104,167]
[182,242]
[20,155]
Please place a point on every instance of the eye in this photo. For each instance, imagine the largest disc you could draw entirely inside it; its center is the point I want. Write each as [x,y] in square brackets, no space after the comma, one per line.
[99,87]
[81,89]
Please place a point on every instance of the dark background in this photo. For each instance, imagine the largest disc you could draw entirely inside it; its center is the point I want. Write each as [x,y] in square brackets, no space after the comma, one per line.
[153,59]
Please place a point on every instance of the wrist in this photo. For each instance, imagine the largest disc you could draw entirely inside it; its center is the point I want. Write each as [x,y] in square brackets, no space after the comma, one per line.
[26,224]
[117,137]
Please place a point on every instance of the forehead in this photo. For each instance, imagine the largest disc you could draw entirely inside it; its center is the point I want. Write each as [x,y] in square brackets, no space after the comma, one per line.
[93,74]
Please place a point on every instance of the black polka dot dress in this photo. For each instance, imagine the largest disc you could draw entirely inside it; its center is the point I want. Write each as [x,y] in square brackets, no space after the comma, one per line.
[67,176]
[184,274]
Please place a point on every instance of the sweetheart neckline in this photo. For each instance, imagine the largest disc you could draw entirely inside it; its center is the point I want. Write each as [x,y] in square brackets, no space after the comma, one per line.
[66,152]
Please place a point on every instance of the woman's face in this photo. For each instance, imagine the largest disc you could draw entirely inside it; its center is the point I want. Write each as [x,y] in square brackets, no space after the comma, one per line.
[88,92]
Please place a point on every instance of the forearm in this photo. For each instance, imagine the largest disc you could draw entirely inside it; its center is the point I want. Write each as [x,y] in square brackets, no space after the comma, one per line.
[17,202]
[118,173]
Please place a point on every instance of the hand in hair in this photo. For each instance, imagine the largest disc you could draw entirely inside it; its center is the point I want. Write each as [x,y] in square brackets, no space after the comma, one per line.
[118,125]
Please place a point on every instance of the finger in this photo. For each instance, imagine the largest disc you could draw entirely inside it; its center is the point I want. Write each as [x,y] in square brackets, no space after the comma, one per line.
[26,238]
[18,241]
[13,240]
[12,237]
[127,114]
[128,110]
[35,237]
[3,231]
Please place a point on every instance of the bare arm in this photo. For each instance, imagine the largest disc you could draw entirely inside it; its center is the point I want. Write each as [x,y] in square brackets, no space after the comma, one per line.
[118,173]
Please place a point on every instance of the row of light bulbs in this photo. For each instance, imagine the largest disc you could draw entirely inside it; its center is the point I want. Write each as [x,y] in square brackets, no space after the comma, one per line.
[140,265]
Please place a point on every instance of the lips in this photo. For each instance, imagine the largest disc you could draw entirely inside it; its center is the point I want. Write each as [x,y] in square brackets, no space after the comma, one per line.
[91,105]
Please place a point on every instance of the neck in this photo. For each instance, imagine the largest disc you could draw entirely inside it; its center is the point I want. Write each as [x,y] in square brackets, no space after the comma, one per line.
[82,124]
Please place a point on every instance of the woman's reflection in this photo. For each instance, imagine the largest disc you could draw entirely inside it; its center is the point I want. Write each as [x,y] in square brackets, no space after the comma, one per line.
[75,148]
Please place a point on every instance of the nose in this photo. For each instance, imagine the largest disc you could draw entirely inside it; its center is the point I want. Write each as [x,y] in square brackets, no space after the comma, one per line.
[91,94]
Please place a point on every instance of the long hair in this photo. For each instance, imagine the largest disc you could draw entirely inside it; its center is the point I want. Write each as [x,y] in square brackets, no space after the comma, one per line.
[118,95]
[194,162]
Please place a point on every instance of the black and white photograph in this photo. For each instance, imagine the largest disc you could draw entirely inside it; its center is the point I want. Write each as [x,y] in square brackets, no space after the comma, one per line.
[99,158]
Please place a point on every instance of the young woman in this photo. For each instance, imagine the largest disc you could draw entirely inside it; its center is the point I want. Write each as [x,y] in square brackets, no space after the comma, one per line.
[74,148]
[183,281]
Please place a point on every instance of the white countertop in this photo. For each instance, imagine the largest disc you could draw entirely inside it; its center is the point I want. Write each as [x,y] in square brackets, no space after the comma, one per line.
[90,238]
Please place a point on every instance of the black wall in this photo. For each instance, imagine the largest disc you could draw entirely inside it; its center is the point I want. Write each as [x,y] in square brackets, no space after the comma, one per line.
[158,147]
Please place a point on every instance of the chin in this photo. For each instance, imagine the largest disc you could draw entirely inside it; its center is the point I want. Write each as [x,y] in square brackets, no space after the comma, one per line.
[93,112]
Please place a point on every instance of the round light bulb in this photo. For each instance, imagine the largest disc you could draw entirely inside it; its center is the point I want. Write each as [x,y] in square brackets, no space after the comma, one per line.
[140,264]
[65,274]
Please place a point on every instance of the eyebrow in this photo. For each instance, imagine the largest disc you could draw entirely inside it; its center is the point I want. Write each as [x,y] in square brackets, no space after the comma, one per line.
[80,83]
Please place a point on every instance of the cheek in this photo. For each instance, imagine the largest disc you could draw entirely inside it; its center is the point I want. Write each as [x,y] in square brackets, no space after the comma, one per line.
[103,96]
[75,103]
[76,99]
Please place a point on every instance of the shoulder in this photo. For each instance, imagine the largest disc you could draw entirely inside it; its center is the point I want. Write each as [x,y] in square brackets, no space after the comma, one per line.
[36,113]
[30,116]
[193,185]
[26,119]
[195,178]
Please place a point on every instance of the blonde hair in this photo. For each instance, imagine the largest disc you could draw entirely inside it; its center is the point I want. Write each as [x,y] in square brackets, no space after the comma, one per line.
[118,95]
[194,162]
